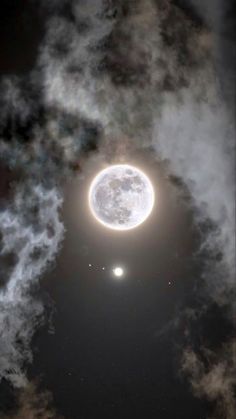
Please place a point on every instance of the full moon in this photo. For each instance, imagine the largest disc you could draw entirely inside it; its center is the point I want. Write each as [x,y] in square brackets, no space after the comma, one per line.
[121,197]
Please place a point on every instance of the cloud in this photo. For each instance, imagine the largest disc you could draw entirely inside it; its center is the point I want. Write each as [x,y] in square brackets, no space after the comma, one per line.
[39,146]
[214,379]
[31,232]
[69,57]
[33,404]
[220,17]
[197,138]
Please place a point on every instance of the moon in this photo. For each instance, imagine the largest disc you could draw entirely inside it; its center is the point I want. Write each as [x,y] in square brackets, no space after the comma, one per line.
[121,197]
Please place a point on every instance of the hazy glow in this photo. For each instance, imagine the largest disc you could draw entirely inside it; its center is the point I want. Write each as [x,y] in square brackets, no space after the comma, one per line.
[118,271]
[137,199]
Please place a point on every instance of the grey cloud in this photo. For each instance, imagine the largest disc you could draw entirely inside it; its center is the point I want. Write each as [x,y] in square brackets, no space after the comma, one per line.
[214,379]
[68,57]
[117,75]
[197,139]
[40,145]
[34,404]
[220,16]
[32,231]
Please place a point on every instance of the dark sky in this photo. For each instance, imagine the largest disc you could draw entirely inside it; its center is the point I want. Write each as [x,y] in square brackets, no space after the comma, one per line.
[21,31]
[105,347]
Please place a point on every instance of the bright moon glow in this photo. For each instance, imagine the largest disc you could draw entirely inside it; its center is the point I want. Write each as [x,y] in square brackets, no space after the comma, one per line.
[121,197]
[118,271]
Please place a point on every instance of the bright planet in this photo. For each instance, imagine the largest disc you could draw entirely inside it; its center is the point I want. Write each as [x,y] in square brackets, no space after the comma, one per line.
[118,271]
[121,197]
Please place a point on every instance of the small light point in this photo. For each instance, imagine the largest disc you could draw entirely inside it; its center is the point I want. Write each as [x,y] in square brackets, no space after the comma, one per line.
[118,271]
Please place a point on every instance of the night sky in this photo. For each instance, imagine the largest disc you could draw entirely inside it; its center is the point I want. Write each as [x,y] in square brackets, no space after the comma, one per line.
[84,85]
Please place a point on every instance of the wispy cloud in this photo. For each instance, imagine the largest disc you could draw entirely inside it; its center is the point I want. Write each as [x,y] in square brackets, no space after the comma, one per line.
[31,231]
[214,377]
[33,404]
